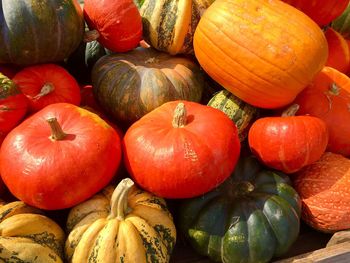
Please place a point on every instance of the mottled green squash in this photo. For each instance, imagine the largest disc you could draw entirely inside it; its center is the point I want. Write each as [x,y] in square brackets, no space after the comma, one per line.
[240,112]
[34,32]
[169,25]
[250,218]
[124,224]
[129,85]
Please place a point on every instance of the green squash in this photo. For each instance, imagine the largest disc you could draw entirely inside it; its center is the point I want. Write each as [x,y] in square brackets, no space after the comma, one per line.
[251,217]
[34,32]
[342,23]
[240,112]
[129,85]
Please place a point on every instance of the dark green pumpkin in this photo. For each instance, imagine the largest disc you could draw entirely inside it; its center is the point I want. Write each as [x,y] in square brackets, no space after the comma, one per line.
[251,217]
[129,85]
[241,113]
[34,32]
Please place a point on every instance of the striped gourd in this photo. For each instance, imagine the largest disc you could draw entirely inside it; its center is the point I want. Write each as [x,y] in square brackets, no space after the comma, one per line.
[124,224]
[29,236]
[34,32]
[241,113]
[169,25]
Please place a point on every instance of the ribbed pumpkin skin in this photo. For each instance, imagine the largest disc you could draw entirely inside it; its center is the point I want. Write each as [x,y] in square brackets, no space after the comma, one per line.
[252,217]
[141,231]
[321,11]
[169,25]
[241,113]
[36,32]
[29,236]
[251,54]
[324,190]
[129,85]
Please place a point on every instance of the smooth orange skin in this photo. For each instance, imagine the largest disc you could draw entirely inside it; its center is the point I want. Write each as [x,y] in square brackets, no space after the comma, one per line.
[338,51]
[181,162]
[321,11]
[51,174]
[318,100]
[265,52]
[324,191]
[288,143]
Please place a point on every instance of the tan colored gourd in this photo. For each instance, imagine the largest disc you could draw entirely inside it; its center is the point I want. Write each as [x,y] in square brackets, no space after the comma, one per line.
[124,224]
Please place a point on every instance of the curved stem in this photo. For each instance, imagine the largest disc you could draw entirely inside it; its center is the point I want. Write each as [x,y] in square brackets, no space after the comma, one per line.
[46,89]
[180,116]
[119,200]
[91,35]
[291,110]
[56,131]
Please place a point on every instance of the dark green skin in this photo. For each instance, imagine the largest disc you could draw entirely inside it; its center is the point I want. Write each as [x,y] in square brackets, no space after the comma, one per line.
[342,23]
[33,31]
[252,217]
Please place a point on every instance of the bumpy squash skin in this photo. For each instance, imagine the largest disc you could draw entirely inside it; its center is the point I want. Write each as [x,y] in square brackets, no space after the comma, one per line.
[144,233]
[36,32]
[251,217]
[29,236]
[169,26]
[127,86]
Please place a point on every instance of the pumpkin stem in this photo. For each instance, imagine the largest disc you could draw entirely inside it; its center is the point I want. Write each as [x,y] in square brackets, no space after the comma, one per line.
[241,189]
[119,201]
[57,133]
[291,110]
[91,35]
[46,89]
[334,89]
[180,116]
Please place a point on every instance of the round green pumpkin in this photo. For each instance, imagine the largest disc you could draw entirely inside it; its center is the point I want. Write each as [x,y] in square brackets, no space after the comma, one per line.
[34,32]
[251,217]
[129,85]
[241,113]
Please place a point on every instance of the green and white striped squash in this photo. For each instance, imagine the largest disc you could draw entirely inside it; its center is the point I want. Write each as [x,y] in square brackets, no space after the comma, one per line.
[240,112]
[122,224]
[34,32]
[169,25]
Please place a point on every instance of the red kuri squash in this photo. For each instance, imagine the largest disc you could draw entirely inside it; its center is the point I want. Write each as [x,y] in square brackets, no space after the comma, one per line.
[328,97]
[59,157]
[13,105]
[181,149]
[47,84]
[290,142]
[117,25]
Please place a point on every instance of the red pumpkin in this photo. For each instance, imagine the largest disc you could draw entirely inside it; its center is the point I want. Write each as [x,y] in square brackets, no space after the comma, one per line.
[328,98]
[13,105]
[117,25]
[321,11]
[325,194]
[181,150]
[288,143]
[47,84]
[59,157]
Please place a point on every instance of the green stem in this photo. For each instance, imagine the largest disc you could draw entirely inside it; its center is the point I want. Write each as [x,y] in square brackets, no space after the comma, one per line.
[291,111]
[119,200]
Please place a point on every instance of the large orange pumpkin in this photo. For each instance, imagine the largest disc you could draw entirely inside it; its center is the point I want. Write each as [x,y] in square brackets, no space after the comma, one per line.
[264,52]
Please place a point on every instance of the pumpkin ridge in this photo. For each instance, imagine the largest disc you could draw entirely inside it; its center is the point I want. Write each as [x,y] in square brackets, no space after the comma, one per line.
[255,55]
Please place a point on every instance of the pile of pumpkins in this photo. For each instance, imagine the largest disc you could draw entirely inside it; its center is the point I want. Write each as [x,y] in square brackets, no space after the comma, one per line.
[237,112]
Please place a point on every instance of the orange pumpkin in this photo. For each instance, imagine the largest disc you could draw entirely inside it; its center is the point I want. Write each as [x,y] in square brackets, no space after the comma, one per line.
[324,190]
[264,52]
[338,51]
[328,97]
